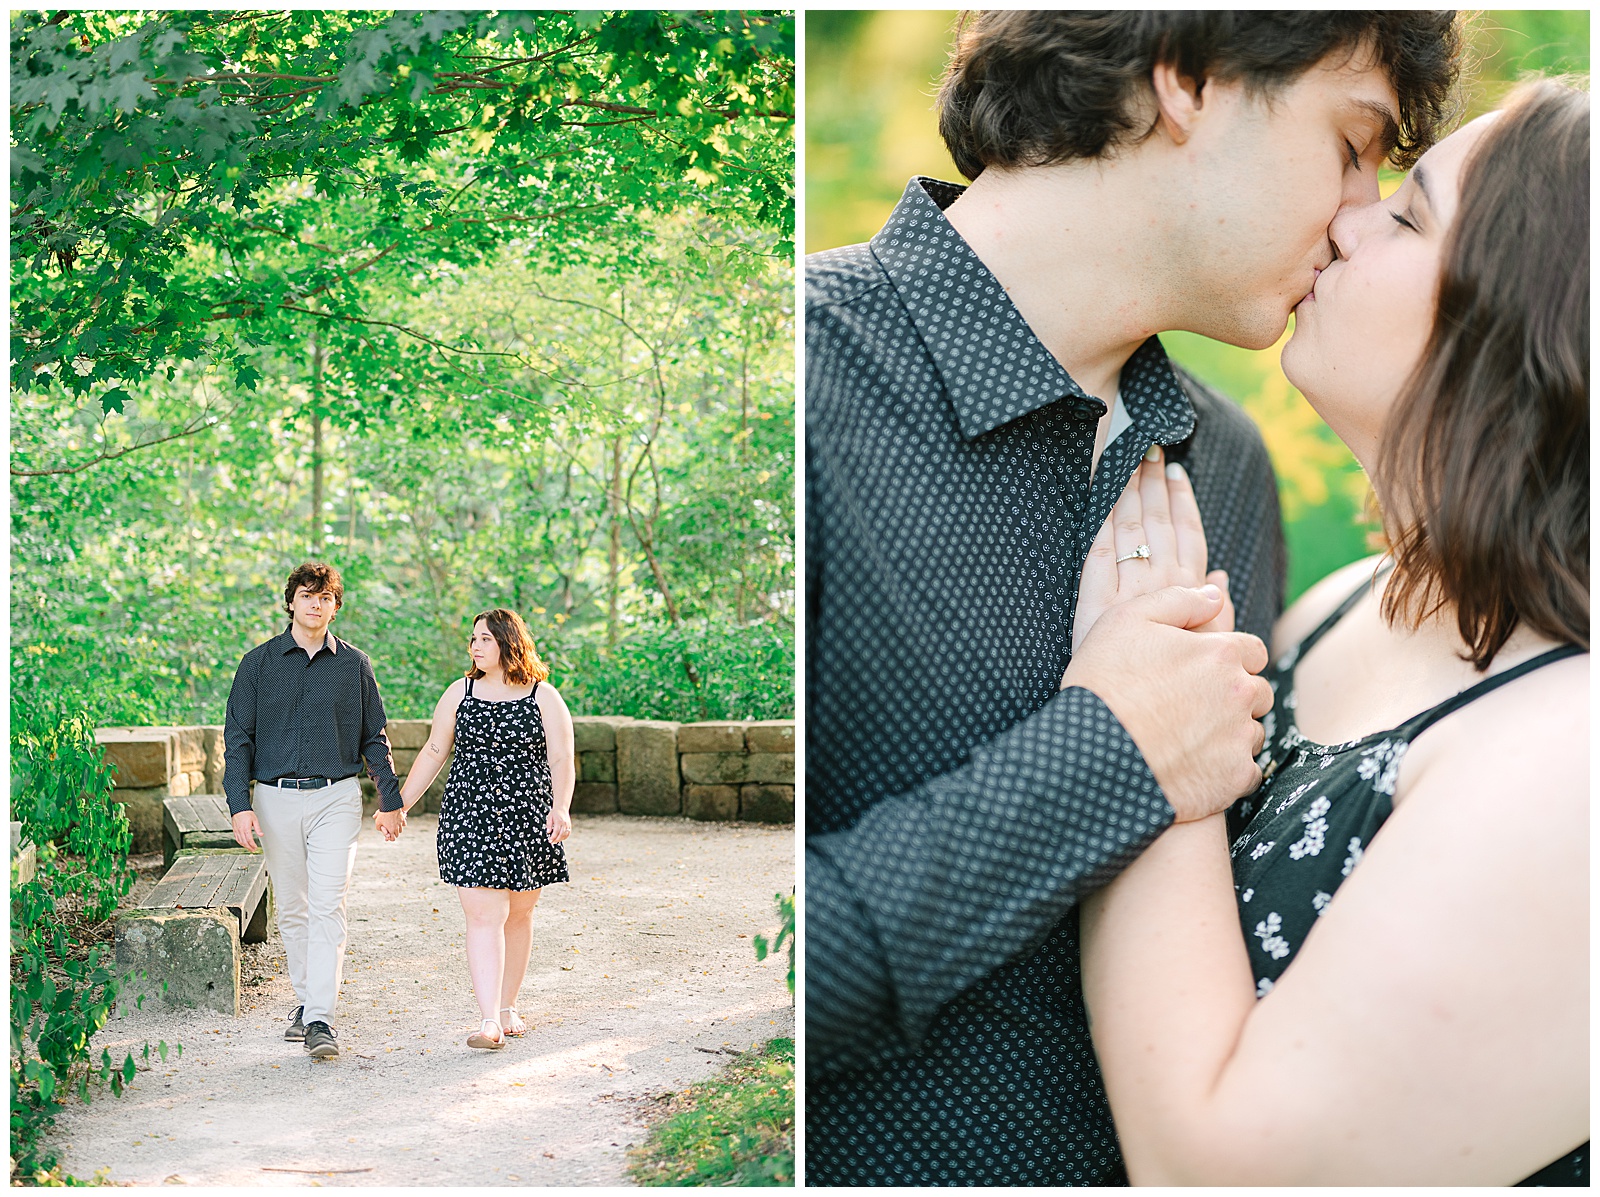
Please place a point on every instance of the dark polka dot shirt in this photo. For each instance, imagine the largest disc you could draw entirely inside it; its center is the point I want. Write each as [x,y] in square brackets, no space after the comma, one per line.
[957,803]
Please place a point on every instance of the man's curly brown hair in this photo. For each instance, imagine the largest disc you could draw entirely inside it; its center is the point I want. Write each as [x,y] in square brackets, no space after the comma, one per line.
[1044,88]
[319,578]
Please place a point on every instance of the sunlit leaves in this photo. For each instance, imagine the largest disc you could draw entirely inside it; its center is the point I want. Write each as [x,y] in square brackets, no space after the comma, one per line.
[147,140]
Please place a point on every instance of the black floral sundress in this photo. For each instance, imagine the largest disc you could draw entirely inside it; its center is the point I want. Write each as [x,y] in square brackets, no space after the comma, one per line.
[1303,832]
[492,832]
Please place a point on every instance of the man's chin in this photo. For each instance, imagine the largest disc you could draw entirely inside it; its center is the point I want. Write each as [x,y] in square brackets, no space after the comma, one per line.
[1250,334]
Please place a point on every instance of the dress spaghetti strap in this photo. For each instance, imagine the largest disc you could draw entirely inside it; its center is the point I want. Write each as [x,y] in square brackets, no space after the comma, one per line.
[1418,724]
[469,687]
[1338,613]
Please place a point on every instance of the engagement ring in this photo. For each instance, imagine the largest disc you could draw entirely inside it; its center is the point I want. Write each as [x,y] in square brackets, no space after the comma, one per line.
[1140,551]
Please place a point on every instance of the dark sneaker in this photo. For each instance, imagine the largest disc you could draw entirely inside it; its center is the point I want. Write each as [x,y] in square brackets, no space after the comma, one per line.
[297,1029]
[321,1041]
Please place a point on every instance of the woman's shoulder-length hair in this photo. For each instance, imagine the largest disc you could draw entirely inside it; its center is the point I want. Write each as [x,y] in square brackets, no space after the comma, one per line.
[1484,468]
[517,656]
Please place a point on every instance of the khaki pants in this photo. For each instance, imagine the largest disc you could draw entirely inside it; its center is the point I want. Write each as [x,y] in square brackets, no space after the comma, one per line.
[309,837]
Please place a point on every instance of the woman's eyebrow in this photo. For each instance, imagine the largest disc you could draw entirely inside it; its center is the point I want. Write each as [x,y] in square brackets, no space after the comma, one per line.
[1421,180]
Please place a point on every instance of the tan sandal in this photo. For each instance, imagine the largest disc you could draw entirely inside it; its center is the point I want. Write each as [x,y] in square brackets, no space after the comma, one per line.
[513,1026]
[492,1042]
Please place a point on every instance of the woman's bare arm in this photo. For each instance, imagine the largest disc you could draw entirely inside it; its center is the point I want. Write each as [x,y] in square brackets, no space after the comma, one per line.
[560,745]
[1434,1027]
[441,739]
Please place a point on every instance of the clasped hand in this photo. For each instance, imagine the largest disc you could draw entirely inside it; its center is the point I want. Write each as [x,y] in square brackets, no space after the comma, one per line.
[390,823]
[1153,639]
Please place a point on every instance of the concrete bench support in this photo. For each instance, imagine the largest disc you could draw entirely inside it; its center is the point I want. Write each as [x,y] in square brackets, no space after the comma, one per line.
[196,952]
[188,931]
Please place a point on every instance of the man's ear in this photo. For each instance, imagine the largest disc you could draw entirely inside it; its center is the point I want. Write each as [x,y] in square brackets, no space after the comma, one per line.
[1178,101]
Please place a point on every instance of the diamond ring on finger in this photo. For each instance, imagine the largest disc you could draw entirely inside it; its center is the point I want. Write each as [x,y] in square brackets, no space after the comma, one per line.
[1141,552]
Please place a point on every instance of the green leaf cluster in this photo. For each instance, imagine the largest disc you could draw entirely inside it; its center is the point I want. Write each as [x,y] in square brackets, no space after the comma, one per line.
[627,486]
[63,986]
[736,1129]
[786,934]
[188,186]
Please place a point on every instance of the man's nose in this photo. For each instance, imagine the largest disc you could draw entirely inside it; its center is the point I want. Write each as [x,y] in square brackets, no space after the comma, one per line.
[1360,189]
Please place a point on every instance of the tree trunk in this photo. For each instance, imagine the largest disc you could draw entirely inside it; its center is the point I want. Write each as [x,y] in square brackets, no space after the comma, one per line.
[614,550]
[316,449]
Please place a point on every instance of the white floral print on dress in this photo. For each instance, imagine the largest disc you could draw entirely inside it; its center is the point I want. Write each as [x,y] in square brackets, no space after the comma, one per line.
[1380,764]
[1294,796]
[1354,858]
[1272,943]
[1310,844]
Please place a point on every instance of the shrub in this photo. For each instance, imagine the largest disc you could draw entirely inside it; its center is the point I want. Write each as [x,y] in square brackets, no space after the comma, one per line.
[739,673]
[63,986]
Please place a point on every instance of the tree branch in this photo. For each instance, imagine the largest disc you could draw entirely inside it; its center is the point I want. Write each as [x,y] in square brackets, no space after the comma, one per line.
[209,421]
[399,328]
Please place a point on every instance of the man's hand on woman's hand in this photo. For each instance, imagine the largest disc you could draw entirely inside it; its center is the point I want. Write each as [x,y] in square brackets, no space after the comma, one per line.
[247,830]
[390,823]
[1189,702]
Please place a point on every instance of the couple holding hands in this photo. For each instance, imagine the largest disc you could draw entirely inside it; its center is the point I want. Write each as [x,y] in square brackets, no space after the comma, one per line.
[304,717]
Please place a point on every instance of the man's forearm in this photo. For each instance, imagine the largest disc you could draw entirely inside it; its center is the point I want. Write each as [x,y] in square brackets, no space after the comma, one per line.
[946,883]
[238,740]
[375,742]
[380,765]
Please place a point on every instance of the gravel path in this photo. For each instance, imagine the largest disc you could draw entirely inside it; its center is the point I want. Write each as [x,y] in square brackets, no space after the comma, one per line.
[642,977]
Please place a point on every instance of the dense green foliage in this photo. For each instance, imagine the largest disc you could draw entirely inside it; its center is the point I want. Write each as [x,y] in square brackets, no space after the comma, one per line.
[736,1129]
[190,184]
[63,983]
[486,310]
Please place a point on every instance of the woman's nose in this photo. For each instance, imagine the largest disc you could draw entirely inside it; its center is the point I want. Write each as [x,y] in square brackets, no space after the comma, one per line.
[1346,230]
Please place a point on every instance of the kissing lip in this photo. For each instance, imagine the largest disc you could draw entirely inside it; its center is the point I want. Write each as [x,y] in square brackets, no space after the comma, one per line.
[1316,273]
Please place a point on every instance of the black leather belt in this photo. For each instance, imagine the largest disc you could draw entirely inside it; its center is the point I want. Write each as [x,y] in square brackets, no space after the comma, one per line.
[302,783]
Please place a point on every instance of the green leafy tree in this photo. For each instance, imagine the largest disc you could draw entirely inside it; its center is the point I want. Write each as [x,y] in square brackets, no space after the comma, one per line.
[192,185]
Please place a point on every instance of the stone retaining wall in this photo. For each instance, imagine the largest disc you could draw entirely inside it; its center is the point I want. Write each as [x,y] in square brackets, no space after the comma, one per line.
[719,771]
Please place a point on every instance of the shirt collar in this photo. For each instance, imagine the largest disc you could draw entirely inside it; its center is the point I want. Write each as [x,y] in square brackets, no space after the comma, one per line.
[285,642]
[961,311]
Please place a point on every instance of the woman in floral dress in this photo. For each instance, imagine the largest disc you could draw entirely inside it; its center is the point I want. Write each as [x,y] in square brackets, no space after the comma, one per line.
[1375,971]
[506,807]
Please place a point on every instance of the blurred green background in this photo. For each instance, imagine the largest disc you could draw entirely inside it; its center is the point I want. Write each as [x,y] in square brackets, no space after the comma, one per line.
[871,79]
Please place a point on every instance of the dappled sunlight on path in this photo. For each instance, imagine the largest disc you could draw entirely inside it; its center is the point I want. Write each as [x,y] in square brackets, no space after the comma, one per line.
[642,978]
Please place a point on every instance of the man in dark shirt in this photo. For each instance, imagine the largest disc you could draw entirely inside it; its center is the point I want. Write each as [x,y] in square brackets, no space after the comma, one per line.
[982,380]
[303,715]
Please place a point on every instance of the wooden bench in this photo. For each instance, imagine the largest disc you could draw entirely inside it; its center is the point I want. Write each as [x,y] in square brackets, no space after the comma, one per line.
[213,880]
[194,821]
